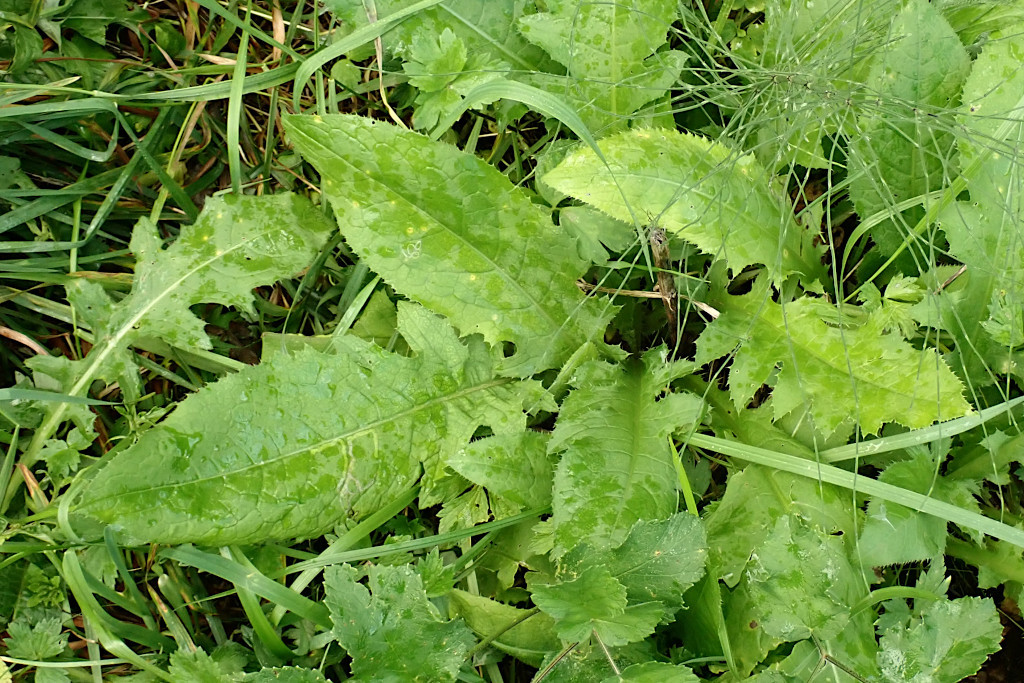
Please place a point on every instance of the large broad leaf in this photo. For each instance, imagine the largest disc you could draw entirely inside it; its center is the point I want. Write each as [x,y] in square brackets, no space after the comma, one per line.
[288,448]
[617,467]
[238,243]
[450,231]
[837,375]
[704,192]
[390,629]
[612,53]
[905,149]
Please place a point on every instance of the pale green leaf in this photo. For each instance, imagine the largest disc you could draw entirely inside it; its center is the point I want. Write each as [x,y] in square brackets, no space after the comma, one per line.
[948,642]
[755,499]
[659,560]
[617,467]
[595,602]
[801,583]
[41,640]
[529,641]
[703,192]
[612,52]
[516,466]
[655,672]
[288,448]
[238,243]
[196,666]
[894,534]
[836,374]
[986,234]
[906,148]
[448,230]
[390,629]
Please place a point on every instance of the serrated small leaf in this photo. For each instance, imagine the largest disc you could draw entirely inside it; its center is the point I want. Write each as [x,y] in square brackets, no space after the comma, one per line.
[196,666]
[450,231]
[612,52]
[529,641]
[659,560]
[289,447]
[595,602]
[836,374]
[949,642]
[516,466]
[390,629]
[617,466]
[39,641]
[701,191]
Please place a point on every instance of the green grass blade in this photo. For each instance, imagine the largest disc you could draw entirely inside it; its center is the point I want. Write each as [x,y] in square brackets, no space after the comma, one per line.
[350,42]
[860,484]
[243,577]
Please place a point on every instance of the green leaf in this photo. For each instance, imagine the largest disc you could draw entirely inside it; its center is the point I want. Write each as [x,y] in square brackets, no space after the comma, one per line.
[238,243]
[701,191]
[659,560]
[39,641]
[198,667]
[755,499]
[90,18]
[529,641]
[448,230]
[288,448]
[948,642]
[836,374]
[894,534]
[801,583]
[441,69]
[285,674]
[486,27]
[617,466]
[906,149]
[612,52]
[515,466]
[655,672]
[390,629]
[595,602]
[985,234]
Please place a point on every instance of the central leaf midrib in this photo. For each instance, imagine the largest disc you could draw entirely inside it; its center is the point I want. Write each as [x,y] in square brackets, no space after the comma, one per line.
[438,400]
[507,277]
